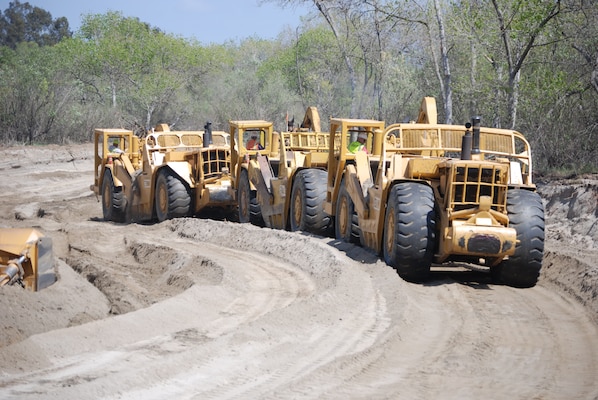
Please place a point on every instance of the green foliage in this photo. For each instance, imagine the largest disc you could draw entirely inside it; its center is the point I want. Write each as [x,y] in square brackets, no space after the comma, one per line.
[382,59]
[35,92]
[402,89]
[311,69]
[131,67]
[21,22]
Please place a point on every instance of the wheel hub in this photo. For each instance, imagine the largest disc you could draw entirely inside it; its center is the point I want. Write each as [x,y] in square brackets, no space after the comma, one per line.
[390,232]
[297,210]
[162,200]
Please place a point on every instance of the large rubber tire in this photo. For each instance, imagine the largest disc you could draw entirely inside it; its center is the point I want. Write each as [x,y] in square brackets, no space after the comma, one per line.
[249,208]
[526,215]
[410,230]
[255,210]
[172,196]
[344,226]
[114,203]
[307,202]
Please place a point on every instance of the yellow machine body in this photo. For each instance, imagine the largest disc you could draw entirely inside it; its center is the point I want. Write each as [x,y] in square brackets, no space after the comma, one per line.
[26,258]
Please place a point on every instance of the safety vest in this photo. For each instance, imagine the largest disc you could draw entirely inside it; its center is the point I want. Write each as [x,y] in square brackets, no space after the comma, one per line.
[355,146]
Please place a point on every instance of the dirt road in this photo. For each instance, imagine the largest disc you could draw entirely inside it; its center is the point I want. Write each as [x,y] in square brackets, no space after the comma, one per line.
[203,309]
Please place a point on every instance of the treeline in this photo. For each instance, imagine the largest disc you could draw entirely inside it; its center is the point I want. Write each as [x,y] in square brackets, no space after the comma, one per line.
[529,65]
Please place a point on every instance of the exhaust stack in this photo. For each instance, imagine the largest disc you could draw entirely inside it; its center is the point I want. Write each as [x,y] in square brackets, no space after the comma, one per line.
[207,135]
[466,143]
[476,135]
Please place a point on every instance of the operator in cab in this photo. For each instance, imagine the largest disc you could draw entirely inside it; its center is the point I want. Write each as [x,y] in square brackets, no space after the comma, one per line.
[359,144]
[254,143]
[114,148]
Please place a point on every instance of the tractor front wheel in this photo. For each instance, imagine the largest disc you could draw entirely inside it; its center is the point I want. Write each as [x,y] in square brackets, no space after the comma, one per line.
[526,215]
[307,202]
[249,208]
[409,230]
[344,227]
[113,199]
[173,198]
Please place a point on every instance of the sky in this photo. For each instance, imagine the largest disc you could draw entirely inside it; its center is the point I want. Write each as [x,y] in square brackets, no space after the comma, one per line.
[209,21]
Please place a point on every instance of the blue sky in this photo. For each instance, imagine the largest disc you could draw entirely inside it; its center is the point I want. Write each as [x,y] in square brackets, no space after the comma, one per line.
[209,21]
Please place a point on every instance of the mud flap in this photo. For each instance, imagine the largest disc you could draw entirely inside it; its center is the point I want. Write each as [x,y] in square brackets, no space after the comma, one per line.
[359,180]
[260,176]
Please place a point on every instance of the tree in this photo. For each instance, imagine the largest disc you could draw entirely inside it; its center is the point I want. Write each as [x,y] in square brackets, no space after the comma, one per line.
[34,90]
[314,70]
[327,10]
[429,19]
[579,27]
[21,22]
[124,63]
[565,137]
[508,31]
[445,78]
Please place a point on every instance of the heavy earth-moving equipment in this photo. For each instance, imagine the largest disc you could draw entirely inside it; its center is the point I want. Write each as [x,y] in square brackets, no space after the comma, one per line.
[426,193]
[166,174]
[26,258]
[291,188]
[263,196]
[311,120]
[250,137]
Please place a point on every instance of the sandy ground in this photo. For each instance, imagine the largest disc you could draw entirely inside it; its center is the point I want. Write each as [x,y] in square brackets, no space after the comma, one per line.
[205,309]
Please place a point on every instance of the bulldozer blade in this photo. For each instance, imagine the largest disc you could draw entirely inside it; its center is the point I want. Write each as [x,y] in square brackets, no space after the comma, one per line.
[26,256]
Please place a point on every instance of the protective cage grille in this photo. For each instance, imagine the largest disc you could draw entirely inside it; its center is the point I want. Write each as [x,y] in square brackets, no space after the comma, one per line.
[471,181]
[214,161]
